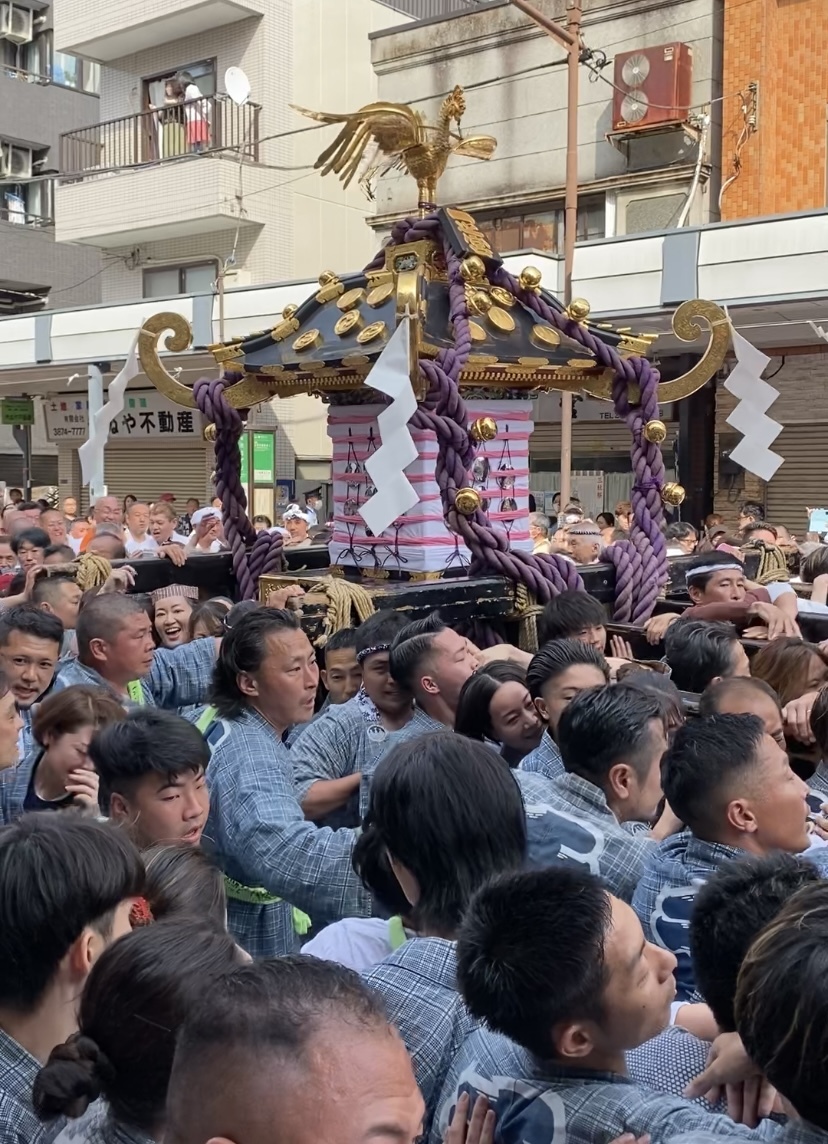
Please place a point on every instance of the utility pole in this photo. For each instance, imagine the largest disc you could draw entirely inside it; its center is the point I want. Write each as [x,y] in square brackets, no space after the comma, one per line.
[569,38]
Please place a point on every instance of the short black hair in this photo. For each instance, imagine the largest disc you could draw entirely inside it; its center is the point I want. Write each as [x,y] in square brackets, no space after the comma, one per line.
[449,810]
[715,694]
[729,911]
[752,508]
[530,953]
[782,1003]
[473,718]
[568,613]
[47,587]
[31,621]
[34,536]
[149,741]
[663,690]
[134,1001]
[261,1015]
[411,645]
[369,859]
[819,722]
[756,526]
[58,874]
[604,726]
[381,628]
[814,564]
[243,649]
[556,657]
[28,505]
[698,651]
[102,617]
[705,761]
[679,530]
[339,641]
[60,550]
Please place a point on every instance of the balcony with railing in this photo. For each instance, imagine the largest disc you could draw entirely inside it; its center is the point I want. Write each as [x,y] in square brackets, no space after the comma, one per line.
[105,30]
[168,171]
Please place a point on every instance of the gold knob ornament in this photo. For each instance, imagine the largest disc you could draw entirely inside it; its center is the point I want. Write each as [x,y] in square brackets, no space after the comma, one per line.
[210,432]
[530,278]
[655,432]
[673,494]
[468,501]
[483,429]
[473,269]
[289,311]
[578,310]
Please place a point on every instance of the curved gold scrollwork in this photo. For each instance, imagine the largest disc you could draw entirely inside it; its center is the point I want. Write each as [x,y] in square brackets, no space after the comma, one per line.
[686,327]
[177,342]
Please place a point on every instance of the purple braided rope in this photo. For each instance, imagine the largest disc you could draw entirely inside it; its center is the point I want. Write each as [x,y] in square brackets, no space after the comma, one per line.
[265,554]
[640,562]
[444,413]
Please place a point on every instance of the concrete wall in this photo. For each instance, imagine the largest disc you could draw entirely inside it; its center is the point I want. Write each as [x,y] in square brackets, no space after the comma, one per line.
[36,115]
[527,112]
[312,52]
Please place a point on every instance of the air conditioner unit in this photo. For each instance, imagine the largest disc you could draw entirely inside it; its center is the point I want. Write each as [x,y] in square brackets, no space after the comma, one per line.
[16,23]
[15,162]
[652,87]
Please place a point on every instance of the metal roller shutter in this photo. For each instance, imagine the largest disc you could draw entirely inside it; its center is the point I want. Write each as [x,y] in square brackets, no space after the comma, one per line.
[589,439]
[802,481]
[147,471]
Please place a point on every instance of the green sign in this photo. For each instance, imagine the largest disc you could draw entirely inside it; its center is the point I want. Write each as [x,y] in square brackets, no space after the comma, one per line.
[245,460]
[264,459]
[17,411]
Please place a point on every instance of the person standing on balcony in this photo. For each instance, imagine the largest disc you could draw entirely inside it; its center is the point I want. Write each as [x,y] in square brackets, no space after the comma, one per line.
[171,116]
[197,111]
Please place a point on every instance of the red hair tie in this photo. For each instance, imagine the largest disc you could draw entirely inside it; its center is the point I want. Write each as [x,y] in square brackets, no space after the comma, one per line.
[140,914]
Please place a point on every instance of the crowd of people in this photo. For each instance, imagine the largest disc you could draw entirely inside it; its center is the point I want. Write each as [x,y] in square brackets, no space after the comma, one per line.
[403,888]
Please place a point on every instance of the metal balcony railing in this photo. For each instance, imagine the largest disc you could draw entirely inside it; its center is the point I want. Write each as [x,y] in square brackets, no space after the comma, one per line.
[209,125]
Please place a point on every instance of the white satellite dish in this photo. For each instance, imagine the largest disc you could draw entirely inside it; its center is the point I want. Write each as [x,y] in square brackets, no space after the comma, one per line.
[237,85]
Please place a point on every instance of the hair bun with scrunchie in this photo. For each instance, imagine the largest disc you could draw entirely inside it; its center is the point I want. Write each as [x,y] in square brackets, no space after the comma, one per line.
[71,1079]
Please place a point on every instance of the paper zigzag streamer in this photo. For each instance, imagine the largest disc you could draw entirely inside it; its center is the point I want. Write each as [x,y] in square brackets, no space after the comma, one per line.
[395,494]
[749,417]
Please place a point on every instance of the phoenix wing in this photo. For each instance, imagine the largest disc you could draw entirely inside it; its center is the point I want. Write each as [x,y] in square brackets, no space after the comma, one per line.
[393,127]
[476,147]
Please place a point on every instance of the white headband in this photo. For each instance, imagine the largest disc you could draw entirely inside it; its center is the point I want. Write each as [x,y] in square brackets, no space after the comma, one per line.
[705,568]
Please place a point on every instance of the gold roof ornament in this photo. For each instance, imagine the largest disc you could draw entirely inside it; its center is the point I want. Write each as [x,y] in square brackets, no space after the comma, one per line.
[383,137]
[329,343]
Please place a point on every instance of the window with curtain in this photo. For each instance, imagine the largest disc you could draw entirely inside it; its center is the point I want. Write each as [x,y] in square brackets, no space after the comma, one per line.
[542,228]
[165,281]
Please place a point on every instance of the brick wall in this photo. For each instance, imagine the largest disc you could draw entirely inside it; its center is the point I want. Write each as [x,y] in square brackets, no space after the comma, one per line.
[783,46]
[803,399]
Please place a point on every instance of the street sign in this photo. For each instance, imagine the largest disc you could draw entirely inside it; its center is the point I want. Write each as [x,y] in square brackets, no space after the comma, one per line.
[17,411]
[264,462]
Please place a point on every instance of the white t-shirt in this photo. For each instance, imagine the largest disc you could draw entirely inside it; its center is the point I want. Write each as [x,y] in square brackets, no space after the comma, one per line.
[807,607]
[147,544]
[358,943]
[74,543]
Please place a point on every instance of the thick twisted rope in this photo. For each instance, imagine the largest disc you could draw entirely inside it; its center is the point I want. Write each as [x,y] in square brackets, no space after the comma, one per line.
[444,412]
[265,554]
[640,562]
[346,600]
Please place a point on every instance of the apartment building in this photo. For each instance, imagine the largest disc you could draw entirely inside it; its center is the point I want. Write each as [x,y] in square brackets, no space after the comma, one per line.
[172,215]
[43,92]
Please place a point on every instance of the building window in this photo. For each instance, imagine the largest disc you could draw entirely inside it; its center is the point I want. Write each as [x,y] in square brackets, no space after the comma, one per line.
[38,60]
[29,203]
[165,281]
[543,228]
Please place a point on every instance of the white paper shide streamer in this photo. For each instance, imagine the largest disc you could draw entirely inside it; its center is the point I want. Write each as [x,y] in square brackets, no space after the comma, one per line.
[91,453]
[395,494]
[750,417]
